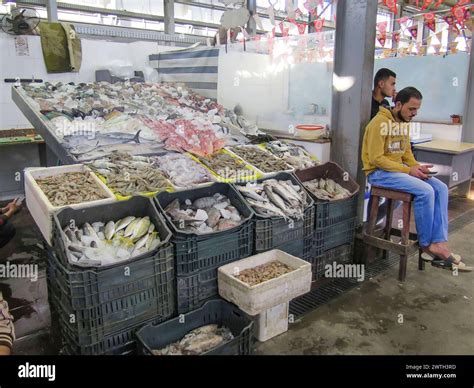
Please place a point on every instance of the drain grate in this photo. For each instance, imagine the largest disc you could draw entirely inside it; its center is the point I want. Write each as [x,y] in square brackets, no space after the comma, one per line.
[327,292]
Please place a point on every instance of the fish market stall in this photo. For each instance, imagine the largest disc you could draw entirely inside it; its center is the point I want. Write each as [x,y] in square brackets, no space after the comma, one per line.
[192,187]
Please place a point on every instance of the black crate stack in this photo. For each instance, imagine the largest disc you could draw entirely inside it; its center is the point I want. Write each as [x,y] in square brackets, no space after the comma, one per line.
[335,221]
[98,310]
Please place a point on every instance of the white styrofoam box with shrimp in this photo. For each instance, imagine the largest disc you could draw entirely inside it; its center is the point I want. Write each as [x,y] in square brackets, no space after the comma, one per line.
[260,172]
[268,294]
[38,203]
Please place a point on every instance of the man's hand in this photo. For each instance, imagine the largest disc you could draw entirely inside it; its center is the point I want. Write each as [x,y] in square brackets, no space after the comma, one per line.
[426,168]
[10,209]
[419,172]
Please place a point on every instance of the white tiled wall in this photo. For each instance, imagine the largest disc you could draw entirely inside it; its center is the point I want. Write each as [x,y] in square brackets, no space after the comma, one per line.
[96,54]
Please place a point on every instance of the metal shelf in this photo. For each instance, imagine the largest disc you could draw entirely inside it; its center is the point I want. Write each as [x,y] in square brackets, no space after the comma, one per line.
[42,126]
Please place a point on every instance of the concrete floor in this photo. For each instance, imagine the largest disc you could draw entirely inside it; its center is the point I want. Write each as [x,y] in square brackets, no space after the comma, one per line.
[437,308]
[437,311]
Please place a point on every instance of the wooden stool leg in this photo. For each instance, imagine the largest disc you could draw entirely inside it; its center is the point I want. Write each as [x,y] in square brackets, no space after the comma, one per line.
[402,272]
[374,209]
[388,225]
[421,262]
[405,238]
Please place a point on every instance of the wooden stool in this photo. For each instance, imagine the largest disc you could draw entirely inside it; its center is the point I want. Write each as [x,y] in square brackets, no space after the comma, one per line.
[385,243]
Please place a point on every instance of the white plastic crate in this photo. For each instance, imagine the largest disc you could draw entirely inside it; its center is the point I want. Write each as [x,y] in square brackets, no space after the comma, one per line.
[38,203]
[256,299]
[272,322]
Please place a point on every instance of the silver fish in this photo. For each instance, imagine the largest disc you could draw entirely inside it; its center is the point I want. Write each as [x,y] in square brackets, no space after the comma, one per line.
[123,223]
[141,228]
[109,230]
[131,226]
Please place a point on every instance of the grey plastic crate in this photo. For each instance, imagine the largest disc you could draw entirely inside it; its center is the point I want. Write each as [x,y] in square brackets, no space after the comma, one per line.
[272,232]
[158,336]
[89,326]
[198,252]
[334,235]
[194,290]
[89,287]
[328,213]
[122,342]
[341,255]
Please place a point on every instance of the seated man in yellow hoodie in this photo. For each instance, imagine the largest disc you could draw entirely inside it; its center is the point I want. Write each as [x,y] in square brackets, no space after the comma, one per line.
[389,162]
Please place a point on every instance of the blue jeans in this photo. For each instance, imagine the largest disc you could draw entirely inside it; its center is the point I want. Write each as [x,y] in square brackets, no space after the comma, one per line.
[430,203]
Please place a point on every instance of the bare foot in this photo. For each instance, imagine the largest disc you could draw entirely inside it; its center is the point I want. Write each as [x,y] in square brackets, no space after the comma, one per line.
[439,249]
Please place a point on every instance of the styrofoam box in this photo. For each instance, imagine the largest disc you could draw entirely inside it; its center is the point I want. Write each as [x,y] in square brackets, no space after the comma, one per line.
[38,203]
[256,299]
[272,322]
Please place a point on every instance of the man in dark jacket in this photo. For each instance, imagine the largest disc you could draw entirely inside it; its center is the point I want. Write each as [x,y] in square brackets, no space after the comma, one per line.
[384,86]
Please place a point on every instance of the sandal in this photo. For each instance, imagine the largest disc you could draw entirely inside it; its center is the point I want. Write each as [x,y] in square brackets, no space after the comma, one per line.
[450,264]
[453,256]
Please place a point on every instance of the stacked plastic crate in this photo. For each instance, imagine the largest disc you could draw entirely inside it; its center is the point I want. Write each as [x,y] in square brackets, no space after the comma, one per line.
[293,236]
[199,255]
[98,309]
[335,221]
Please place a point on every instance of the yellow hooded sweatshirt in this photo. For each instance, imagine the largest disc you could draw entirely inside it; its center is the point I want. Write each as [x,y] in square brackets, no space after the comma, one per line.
[386,144]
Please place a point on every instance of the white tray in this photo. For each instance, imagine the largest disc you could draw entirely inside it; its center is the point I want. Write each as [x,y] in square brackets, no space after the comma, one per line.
[38,203]
[261,297]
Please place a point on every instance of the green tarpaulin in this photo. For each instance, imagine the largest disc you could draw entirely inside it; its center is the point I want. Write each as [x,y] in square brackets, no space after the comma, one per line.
[62,50]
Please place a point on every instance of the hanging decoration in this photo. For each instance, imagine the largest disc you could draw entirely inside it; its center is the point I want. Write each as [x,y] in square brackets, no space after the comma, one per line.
[460,13]
[413,31]
[301,27]
[396,36]
[453,47]
[318,25]
[311,6]
[430,21]
[402,21]
[284,30]
[382,27]
[426,4]
[452,24]
[258,21]
[421,50]
[428,40]
[271,14]
[437,48]
[382,38]
[298,13]
[290,9]
[391,5]
[439,36]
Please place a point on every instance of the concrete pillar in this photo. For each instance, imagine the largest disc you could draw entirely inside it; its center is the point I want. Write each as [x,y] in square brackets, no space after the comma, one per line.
[354,57]
[169,16]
